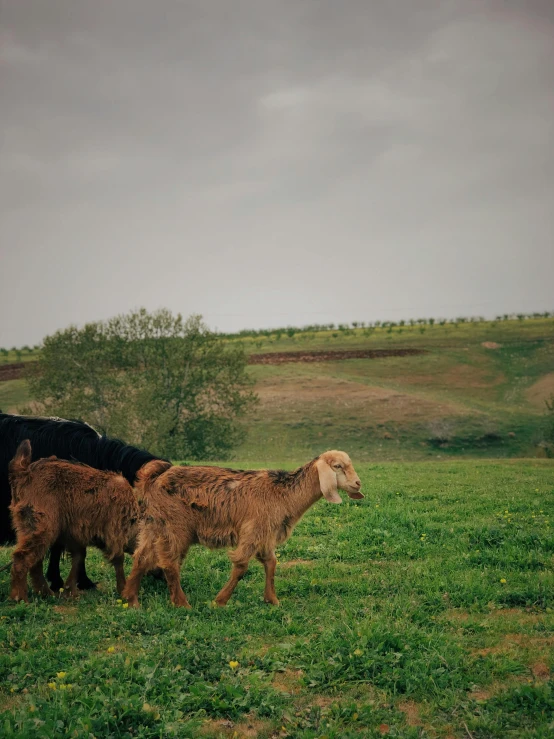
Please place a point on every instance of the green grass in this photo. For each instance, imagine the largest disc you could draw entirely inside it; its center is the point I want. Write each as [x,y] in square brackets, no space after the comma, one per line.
[425,610]
[19,355]
[14,394]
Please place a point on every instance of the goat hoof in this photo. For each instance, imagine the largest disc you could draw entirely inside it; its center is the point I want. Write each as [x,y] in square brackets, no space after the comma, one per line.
[86,584]
[272,601]
[19,597]
[56,585]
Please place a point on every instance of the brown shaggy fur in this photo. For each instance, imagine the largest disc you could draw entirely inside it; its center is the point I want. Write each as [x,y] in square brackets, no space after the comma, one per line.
[77,505]
[253,511]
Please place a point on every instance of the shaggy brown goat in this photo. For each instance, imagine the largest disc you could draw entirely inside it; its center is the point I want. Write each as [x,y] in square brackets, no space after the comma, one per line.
[253,511]
[77,505]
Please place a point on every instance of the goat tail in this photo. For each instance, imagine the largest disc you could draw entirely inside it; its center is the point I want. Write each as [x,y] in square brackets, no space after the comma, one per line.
[151,470]
[20,463]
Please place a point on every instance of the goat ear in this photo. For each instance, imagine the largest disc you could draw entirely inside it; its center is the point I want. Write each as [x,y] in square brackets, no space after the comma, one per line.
[327,482]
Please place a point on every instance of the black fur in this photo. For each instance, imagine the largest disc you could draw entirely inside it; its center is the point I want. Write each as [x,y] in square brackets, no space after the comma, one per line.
[74,441]
[287,479]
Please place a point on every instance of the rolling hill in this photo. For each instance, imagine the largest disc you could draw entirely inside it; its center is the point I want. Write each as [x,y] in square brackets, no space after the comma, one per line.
[393,392]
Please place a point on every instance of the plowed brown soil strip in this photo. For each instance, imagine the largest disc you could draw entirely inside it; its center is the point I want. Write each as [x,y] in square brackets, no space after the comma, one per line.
[11,371]
[330,356]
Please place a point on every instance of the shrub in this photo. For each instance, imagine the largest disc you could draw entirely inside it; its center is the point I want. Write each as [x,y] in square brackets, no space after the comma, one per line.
[153,379]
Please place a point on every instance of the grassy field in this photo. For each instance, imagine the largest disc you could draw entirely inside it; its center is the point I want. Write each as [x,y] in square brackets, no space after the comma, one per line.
[14,394]
[425,610]
[29,354]
[479,390]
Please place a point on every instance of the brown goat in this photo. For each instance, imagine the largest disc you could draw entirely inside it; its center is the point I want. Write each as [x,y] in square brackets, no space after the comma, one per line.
[253,510]
[76,505]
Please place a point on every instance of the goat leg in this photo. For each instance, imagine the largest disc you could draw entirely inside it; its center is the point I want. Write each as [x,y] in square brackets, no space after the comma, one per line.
[20,568]
[170,561]
[77,557]
[28,555]
[53,571]
[269,562]
[29,552]
[173,577]
[240,559]
[117,562]
[143,561]
[40,585]
[83,580]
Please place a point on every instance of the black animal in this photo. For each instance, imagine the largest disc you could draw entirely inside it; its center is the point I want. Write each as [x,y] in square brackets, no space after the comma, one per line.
[69,440]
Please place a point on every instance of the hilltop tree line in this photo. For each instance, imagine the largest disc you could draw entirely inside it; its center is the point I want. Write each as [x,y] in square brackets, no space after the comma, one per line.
[291,331]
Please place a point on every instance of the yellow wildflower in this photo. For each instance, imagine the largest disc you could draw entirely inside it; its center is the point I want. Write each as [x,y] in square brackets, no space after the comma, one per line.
[52,686]
[503,580]
[233,664]
[61,675]
[358,652]
[110,650]
[125,605]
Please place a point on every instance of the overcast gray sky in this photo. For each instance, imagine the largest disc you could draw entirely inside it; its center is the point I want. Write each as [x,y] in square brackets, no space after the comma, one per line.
[273,162]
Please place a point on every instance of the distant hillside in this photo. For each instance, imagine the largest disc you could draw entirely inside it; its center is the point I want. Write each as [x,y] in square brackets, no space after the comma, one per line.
[393,392]
[477,389]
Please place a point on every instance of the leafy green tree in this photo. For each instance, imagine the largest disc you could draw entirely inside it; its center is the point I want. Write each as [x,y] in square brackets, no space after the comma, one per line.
[153,379]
